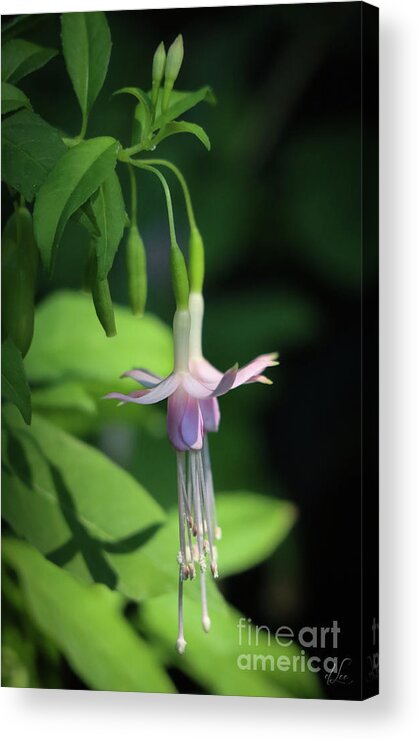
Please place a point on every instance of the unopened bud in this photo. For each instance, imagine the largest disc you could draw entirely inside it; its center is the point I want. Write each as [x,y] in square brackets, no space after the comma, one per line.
[172,68]
[174,59]
[101,297]
[196,260]
[136,263]
[158,64]
[179,277]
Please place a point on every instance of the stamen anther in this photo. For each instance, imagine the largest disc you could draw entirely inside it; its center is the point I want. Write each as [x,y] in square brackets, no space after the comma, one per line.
[181,645]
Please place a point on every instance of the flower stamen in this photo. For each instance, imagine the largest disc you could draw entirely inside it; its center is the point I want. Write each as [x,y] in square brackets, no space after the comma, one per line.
[181,642]
[205,614]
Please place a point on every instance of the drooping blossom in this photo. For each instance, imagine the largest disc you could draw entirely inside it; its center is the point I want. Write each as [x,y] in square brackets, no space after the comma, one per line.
[191,391]
[182,388]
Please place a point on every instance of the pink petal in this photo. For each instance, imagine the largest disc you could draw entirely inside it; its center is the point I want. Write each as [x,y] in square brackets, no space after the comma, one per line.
[133,397]
[175,412]
[227,382]
[194,387]
[192,425]
[254,368]
[184,421]
[260,379]
[158,393]
[211,414]
[204,371]
[143,376]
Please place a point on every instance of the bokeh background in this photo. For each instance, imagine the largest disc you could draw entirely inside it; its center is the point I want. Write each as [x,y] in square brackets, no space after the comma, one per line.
[278,203]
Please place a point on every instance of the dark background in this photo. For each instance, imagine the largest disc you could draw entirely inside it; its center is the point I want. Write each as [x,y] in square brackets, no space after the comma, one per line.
[278,201]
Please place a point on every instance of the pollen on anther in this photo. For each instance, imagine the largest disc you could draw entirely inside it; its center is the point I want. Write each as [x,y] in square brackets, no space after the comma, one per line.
[181,645]
[214,569]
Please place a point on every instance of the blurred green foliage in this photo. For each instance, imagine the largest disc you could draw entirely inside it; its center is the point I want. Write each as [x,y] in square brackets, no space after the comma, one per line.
[91,486]
[88,516]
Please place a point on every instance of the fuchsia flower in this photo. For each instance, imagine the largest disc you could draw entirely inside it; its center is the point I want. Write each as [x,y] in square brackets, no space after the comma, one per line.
[192,390]
[184,391]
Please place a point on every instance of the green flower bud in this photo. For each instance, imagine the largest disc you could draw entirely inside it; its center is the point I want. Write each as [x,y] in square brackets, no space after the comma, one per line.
[196,260]
[101,297]
[19,272]
[158,64]
[172,68]
[136,263]
[179,277]
[174,59]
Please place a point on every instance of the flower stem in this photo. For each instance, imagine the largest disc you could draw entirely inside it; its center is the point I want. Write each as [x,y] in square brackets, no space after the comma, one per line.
[183,183]
[169,202]
[196,246]
[178,265]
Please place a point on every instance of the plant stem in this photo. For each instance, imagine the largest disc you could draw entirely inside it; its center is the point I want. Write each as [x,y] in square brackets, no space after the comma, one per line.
[157,173]
[183,183]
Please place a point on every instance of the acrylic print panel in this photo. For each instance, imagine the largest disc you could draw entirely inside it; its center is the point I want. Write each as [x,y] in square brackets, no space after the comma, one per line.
[190,198]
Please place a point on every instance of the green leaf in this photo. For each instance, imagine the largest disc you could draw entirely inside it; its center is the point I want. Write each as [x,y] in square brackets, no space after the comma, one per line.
[76,176]
[221,648]
[67,505]
[86,45]
[85,216]
[18,658]
[252,527]
[19,261]
[86,623]
[183,127]
[19,25]
[30,149]
[180,102]
[14,386]
[110,216]
[64,397]
[68,344]
[75,505]
[20,58]
[68,405]
[12,98]
[142,110]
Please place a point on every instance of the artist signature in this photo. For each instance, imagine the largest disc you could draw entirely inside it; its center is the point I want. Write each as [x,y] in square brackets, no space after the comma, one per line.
[339,674]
